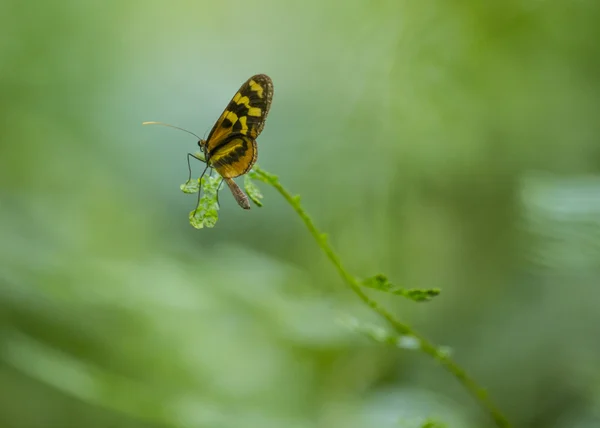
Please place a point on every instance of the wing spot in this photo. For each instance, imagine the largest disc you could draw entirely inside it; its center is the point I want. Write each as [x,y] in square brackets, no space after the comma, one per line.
[243,101]
[244,125]
[254,111]
[231,116]
[256,87]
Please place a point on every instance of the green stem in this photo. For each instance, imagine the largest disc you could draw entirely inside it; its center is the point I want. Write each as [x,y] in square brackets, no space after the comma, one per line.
[426,346]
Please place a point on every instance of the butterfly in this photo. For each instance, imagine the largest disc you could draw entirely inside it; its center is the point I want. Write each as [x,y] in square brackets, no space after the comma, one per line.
[230,147]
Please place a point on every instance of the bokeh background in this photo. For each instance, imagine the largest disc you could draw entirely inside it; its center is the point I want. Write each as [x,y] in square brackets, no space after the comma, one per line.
[449,144]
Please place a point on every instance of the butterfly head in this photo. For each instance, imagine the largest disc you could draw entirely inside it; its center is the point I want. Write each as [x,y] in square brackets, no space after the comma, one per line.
[202,145]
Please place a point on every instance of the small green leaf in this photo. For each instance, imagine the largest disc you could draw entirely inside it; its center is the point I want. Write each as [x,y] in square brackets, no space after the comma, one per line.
[207,213]
[201,218]
[190,186]
[419,295]
[253,191]
[381,283]
[257,173]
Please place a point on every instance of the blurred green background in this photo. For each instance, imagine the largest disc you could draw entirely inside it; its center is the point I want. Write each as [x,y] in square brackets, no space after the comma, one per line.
[449,144]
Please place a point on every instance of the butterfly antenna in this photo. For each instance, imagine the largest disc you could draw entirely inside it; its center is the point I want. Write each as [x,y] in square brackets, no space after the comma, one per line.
[171,126]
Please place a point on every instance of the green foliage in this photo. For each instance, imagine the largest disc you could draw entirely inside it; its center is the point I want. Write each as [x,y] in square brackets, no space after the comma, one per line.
[253,191]
[207,212]
[381,334]
[259,174]
[190,187]
[404,336]
[381,283]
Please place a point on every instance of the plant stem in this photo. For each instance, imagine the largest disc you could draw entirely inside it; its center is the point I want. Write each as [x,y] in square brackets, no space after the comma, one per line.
[426,346]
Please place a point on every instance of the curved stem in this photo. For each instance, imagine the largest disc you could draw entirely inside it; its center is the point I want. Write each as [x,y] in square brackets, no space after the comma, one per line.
[426,346]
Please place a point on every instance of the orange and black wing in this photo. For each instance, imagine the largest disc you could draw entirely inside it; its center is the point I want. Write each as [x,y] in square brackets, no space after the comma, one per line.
[246,112]
[232,137]
[234,156]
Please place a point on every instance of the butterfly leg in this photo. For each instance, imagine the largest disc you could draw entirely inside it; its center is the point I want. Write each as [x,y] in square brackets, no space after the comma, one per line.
[210,172]
[219,188]
[199,188]
[189,166]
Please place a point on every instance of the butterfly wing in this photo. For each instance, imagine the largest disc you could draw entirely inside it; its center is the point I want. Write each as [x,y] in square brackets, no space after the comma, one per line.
[234,156]
[246,112]
[232,137]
